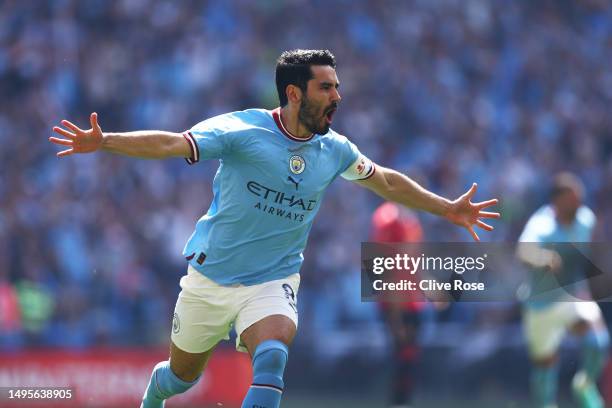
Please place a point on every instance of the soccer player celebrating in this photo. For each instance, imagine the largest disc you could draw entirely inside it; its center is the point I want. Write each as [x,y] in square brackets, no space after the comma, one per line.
[245,253]
[550,314]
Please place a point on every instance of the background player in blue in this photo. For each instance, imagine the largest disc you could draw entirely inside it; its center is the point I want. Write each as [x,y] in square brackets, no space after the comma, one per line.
[246,251]
[554,312]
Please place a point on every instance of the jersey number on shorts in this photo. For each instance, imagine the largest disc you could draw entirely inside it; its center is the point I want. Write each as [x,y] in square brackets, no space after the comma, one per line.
[290,295]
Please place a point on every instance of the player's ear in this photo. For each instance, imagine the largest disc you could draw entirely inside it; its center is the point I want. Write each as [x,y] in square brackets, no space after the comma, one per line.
[294,93]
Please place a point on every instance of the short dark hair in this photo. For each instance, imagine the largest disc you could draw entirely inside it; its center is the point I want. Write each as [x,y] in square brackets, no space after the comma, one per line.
[293,68]
[565,182]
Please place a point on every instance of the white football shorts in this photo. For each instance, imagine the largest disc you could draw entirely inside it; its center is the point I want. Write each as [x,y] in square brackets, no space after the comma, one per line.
[545,328]
[205,311]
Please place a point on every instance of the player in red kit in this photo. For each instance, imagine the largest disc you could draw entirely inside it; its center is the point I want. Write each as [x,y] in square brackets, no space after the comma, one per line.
[394,223]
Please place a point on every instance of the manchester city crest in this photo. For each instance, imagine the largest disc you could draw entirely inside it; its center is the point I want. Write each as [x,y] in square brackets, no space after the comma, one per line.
[297,164]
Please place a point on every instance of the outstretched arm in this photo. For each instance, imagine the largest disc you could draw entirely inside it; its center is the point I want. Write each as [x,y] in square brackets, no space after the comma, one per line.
[394,186]
[147,144]
[534,256]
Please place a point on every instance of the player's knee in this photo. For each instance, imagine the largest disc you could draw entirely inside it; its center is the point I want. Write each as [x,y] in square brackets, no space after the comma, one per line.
[545,362]
[185,371]
[186,375]
[269,362]
[167,382]
[187,366]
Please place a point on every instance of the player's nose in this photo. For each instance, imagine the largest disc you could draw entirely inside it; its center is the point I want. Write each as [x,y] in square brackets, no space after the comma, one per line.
[336,96]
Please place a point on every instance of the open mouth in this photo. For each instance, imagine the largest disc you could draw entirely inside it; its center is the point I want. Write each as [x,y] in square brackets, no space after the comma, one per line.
[330,115]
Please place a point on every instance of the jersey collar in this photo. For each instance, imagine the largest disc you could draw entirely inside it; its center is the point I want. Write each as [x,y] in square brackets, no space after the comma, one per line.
[279,122]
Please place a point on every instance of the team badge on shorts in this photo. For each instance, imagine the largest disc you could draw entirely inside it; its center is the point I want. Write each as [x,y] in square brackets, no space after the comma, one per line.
[176,323]
[297,164]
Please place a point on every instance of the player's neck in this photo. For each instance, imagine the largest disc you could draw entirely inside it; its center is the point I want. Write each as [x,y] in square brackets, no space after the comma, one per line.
[290,119]
[564,219]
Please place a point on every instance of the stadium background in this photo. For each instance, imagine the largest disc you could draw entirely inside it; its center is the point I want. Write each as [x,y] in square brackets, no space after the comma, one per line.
[448,91]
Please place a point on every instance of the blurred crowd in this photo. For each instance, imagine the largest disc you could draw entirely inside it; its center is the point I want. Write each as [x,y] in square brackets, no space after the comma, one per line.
[450,92]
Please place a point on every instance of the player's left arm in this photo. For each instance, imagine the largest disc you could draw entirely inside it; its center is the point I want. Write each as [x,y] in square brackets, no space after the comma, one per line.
[394,186]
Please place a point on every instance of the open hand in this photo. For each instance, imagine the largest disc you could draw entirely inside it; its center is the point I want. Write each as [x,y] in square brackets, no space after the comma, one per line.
[465,213]
[79,140]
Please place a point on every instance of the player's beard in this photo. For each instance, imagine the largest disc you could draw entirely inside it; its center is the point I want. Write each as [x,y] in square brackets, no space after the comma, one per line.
[312,118]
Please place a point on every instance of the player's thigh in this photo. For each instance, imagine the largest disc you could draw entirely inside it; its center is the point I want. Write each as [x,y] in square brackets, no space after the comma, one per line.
[545,361]
[269,313]
[544,331]
[188,366]
[203,316]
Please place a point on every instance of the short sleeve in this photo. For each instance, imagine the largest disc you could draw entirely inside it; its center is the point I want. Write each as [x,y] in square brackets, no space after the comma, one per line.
[586,217]
[356,165]
[530,232]
[208,140]
[538,225]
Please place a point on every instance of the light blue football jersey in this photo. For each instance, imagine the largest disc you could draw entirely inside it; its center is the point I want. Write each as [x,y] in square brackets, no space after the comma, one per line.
[267,191]
[543,228]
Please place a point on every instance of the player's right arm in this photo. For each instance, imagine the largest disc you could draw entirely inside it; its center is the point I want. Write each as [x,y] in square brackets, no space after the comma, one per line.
[536,257]
[146,144]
